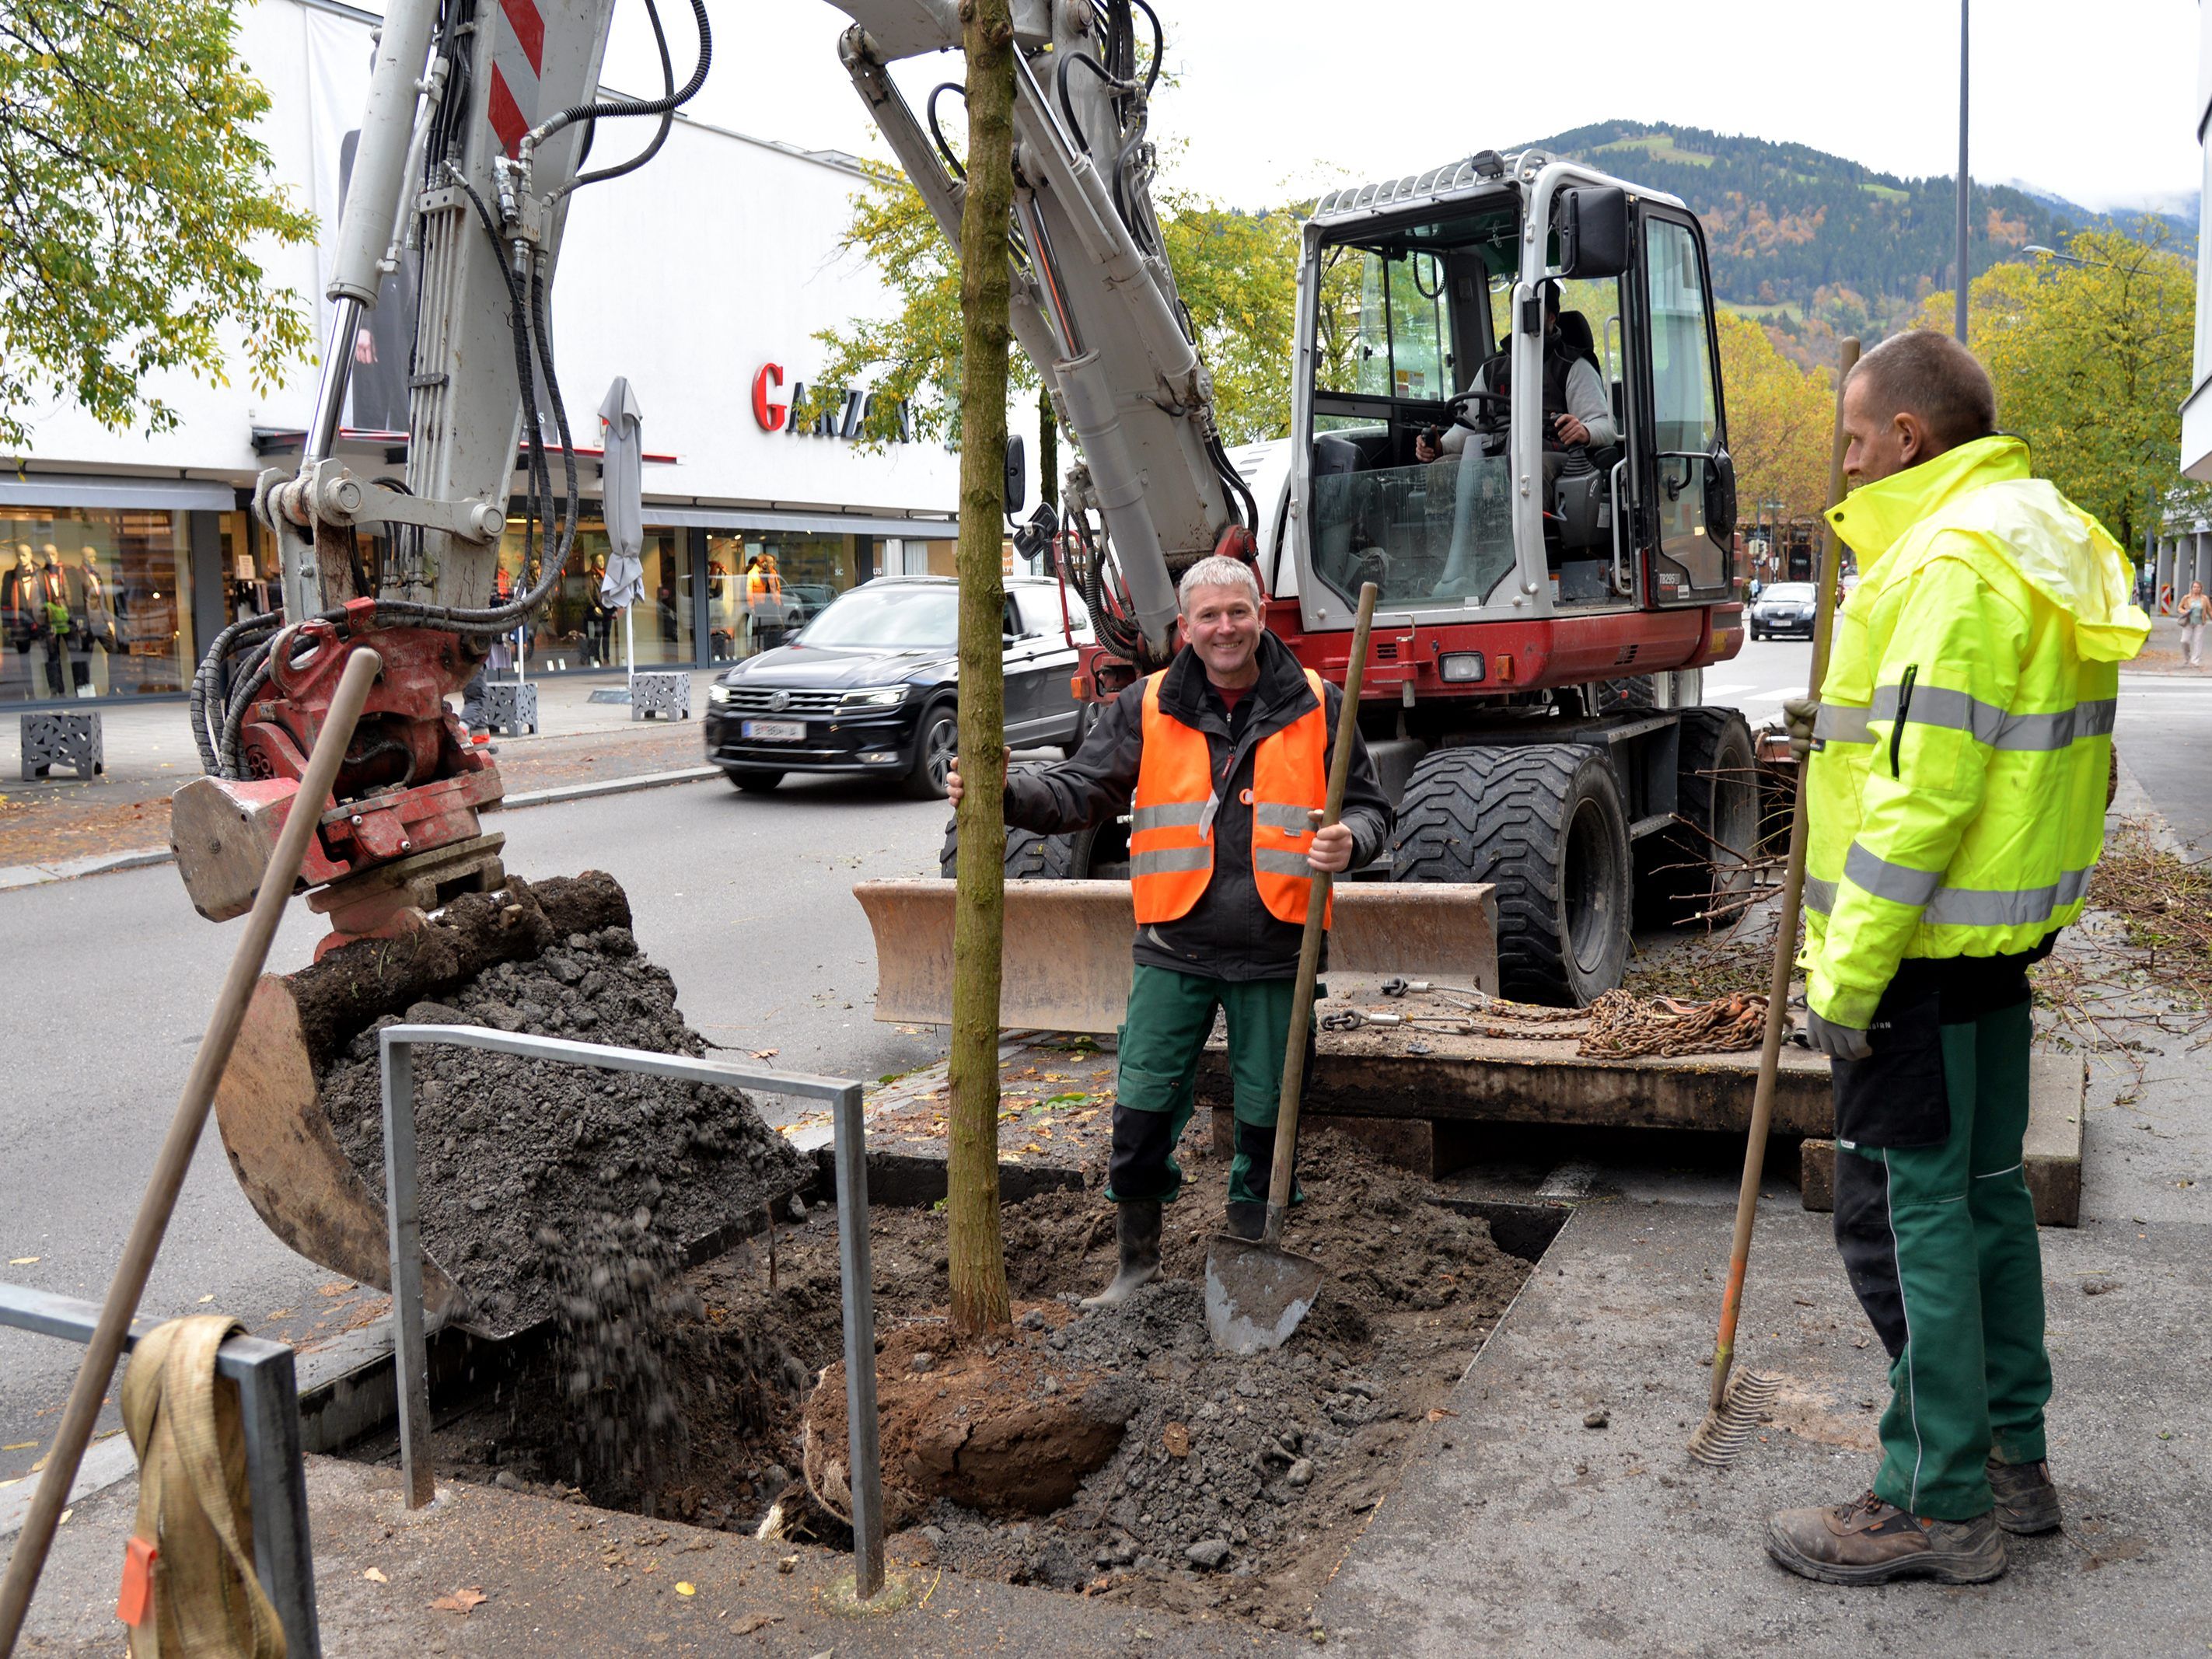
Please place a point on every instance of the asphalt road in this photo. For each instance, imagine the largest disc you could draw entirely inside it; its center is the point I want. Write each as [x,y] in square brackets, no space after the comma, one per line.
[744,898]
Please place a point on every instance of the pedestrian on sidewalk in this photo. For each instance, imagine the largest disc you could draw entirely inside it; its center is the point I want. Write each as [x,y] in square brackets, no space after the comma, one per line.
[1224,755]
[2194,607]
[1956,805]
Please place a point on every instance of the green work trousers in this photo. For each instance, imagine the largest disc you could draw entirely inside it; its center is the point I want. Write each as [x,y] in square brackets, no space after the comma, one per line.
[1170,1017]
[1940,1241]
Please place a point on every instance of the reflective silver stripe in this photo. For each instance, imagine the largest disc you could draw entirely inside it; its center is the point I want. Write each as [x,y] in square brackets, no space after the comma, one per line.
[1273,815]
[1949,907]
[1932,705]
[1836,723]
[1171,815]
[1899,883]
[1280,864]
[1169,861]
[1972,906]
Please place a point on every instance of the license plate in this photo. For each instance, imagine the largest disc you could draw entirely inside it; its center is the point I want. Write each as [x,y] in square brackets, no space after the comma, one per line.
[775,731]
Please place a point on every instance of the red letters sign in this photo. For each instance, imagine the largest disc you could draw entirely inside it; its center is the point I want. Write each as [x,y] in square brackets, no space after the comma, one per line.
[771,416]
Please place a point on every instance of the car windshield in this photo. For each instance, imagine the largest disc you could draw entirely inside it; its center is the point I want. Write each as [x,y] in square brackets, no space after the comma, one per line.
[1790,593]
[891,618]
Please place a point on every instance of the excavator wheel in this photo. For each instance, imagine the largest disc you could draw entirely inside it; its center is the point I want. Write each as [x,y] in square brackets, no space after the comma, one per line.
[1544,822]
[1697,867]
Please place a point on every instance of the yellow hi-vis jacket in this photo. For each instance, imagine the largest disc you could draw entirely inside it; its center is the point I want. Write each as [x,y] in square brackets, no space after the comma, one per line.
[1956,791]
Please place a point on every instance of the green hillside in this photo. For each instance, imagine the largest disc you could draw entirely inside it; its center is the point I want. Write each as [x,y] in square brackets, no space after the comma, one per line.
[1800,237]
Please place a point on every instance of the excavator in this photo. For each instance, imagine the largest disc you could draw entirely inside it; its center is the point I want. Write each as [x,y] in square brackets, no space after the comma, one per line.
[1531,692]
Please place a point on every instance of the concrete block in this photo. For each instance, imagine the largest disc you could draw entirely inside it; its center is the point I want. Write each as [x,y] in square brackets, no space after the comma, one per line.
[2056,1089]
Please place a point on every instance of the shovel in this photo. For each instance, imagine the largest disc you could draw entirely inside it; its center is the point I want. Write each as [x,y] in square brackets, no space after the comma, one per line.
[1256,1291]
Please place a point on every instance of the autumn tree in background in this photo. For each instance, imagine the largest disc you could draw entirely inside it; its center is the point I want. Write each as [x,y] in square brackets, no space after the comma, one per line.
[2092,361]
[1780,417]
[132,196]
[976,1249]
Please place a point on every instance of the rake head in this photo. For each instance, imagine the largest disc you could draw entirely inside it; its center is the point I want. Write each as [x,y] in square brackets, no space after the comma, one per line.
[1729,1425]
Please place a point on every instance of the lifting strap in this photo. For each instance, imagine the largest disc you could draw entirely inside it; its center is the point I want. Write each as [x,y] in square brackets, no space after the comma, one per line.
[204,1601]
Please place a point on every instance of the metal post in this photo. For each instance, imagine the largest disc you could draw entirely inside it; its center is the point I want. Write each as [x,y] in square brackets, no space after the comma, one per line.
[269,1415]
[851,1153]
[1959,327]
[410,1354]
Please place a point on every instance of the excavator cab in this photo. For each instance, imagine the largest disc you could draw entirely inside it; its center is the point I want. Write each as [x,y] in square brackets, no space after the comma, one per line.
[1510,401]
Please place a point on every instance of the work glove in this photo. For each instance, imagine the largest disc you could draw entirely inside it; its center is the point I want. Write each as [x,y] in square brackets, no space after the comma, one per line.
[1798,714]
[1837,1041]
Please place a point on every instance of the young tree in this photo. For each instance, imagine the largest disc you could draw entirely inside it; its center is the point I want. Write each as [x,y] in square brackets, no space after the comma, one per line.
[132,191]
[976,1252]
[2090,354]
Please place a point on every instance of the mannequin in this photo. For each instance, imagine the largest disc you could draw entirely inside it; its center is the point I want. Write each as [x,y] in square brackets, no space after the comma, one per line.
[15,596]
[57,623]
[97,611]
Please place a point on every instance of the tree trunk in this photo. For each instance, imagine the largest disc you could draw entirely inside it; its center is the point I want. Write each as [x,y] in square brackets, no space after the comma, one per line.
[1048,449]
[977,1251]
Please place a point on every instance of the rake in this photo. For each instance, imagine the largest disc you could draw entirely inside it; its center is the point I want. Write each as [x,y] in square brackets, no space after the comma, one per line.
[1739,1398]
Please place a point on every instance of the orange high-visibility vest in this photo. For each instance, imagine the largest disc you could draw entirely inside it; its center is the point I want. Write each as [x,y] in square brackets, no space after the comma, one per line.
[1171,814]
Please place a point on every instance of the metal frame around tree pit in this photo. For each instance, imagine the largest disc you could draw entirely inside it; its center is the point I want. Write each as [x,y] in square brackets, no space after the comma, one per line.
[269,1419]
[402,1201]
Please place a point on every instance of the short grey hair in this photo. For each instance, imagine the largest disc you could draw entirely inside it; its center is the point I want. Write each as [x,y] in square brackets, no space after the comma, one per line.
[1216,570]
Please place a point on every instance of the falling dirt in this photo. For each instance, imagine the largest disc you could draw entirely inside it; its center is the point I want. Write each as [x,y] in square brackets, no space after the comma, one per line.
[514,1151]
[1234,1485]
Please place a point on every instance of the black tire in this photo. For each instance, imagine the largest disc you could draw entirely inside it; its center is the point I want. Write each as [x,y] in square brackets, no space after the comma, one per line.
[1544,822]
[1716,789]
[753,779]
[1032,857]
[1086,718]
[936,741]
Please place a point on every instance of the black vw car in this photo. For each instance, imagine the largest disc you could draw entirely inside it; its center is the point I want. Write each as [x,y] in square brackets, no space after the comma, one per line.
[870,685]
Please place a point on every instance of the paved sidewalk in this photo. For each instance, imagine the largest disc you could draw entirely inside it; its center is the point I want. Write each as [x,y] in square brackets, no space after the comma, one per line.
[65,826]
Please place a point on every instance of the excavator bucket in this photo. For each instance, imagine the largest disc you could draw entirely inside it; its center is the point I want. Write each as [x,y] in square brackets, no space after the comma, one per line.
[1067,963]
[276,1125]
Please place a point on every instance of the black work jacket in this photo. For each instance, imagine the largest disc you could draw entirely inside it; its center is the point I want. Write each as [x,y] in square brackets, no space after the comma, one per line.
[1229,934]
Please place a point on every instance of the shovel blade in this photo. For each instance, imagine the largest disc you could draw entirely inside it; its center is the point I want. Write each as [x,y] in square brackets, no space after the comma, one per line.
[1256,1295]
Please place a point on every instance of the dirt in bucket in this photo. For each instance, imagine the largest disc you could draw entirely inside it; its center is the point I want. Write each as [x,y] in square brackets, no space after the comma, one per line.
[514,1153]
[1194,1480]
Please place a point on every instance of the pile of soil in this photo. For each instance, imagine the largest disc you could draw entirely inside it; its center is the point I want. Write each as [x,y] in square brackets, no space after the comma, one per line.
[1234,1485]
[514,1153]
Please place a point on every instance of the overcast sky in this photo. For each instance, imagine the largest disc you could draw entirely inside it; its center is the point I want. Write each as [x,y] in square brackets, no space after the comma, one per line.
[2095,102]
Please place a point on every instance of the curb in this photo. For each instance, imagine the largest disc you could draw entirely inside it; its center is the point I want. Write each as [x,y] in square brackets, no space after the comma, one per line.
[14,876]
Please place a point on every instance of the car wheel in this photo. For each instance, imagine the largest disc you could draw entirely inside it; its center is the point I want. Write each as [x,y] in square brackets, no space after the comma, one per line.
[1087,720]
[754,780]
[936,743]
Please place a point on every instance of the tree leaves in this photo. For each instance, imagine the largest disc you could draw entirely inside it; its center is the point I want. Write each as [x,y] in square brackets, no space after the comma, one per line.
[132,192]
[2092,363]
[1780,419]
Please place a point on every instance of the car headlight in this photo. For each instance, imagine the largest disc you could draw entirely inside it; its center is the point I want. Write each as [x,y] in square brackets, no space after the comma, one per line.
[721,692]
[886,698]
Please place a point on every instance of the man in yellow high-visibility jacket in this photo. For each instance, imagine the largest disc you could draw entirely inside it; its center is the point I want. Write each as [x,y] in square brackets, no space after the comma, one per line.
[1956,795]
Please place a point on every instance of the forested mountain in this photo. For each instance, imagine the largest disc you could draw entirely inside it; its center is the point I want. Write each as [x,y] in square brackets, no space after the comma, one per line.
[1800,238]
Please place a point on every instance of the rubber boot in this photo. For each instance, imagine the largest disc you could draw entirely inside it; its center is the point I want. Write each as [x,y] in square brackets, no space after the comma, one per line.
[1247,1218]
[1137,1224]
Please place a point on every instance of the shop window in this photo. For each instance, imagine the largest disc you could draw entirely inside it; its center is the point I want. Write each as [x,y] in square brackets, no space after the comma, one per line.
[762,586]
[577,630]
[94,603]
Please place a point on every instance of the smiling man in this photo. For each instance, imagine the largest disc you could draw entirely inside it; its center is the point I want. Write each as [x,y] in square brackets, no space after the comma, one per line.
[1221,762]
[1955,801]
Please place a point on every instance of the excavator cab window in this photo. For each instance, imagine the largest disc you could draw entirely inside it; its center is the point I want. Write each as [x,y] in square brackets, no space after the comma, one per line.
[1402,329]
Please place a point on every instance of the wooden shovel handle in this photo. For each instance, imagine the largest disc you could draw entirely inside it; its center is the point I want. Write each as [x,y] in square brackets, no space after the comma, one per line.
[1294,1055]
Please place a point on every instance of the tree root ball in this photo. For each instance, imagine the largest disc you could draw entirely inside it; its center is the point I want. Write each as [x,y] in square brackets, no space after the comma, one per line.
[1000,1423]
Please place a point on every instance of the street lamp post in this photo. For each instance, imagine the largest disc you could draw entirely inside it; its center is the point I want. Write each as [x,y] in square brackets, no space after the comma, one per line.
[1965,184]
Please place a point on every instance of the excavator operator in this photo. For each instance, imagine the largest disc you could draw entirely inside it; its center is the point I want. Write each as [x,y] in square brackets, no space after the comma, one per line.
[1575,401]
[1221,761]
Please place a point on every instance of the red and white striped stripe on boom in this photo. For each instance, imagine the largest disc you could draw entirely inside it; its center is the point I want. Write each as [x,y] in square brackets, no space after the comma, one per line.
[518,57]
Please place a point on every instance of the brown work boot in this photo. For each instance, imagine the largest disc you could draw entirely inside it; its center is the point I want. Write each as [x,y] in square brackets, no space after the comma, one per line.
[2028,1502]
[1871,1542]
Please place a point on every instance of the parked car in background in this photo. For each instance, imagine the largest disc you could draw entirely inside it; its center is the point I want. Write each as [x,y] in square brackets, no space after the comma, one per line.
[804,601]
[1783,608]
[870,686]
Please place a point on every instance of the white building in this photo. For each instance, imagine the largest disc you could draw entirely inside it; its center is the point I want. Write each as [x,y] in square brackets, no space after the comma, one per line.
[699,277]
[2197,413]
